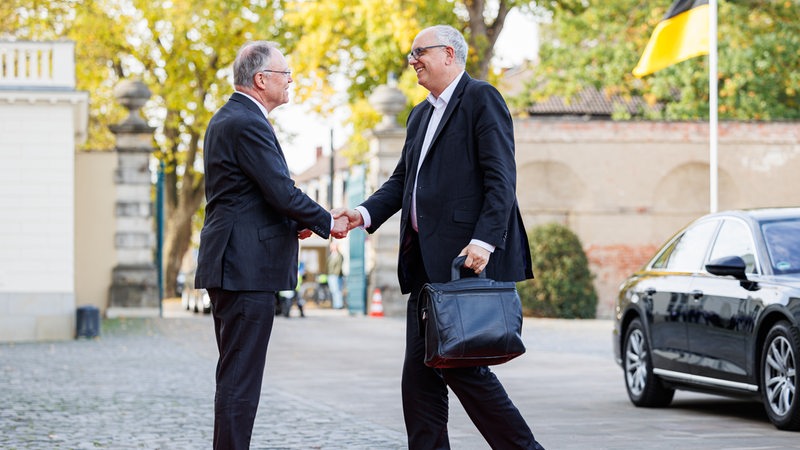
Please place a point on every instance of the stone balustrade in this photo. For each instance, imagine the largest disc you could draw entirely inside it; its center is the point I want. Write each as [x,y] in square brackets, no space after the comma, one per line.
[48,65]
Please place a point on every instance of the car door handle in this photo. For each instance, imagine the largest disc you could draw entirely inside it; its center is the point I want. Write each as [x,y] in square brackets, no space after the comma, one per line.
[650,291]
[696,294]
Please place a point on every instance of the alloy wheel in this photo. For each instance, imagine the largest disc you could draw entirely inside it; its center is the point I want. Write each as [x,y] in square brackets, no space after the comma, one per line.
[780,375]
[636,362]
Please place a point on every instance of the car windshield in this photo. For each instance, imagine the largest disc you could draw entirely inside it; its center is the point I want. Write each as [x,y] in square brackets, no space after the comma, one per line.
[783,245]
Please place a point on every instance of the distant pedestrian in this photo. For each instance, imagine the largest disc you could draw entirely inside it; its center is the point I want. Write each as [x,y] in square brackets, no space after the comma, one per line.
[290,296]
[335,275]
[249,242]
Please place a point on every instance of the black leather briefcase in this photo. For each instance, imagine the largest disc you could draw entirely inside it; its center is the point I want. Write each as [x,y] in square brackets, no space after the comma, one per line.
[472,321]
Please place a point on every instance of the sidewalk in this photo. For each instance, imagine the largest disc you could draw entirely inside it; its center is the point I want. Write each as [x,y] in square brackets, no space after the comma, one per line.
[333,382]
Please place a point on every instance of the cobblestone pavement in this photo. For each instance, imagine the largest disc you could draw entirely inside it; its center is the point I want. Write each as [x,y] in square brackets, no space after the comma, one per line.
[332,382]
[149,384]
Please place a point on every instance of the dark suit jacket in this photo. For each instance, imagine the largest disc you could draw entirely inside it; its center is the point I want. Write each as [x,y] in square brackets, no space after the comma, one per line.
[253,211]
[466,188]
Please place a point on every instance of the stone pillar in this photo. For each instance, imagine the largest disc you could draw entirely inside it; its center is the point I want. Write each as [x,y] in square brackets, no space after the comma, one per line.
[386,144]
[134,285]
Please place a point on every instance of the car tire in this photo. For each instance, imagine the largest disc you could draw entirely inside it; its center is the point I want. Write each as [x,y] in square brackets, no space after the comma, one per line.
[779,378]
[644,388]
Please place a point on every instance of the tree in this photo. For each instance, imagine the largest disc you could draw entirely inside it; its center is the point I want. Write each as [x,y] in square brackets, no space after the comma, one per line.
[363,43]
[597,44]
[183,50]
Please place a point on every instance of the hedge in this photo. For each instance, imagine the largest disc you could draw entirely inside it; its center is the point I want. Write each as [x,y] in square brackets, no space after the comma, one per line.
[562,285]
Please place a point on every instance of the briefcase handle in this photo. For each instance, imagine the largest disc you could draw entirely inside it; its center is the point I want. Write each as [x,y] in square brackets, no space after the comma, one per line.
[458,263]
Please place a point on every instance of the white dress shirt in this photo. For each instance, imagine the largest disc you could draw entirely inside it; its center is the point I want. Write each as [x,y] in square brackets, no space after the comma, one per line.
[439,106]
[260,106]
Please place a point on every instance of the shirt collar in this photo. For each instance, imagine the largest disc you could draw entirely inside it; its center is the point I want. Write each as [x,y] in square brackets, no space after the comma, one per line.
[260,106]
[444,98]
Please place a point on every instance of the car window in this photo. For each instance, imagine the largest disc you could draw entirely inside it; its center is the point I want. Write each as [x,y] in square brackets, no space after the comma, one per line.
[661,261]
[734,239]
[686,254]
[783,245]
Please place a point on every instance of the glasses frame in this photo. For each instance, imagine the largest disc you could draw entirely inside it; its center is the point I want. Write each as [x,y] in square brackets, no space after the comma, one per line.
[286,73]
[419,51]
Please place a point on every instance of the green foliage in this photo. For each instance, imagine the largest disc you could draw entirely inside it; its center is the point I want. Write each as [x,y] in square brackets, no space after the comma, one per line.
[181,49]
[599,44]
[562,286]
[359,44]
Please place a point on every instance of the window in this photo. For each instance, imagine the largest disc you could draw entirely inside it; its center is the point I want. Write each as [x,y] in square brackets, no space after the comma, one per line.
[687,253]
[783,245]
[734,239]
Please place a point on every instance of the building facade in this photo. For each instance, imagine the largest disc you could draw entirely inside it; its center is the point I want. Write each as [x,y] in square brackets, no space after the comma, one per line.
[42,120]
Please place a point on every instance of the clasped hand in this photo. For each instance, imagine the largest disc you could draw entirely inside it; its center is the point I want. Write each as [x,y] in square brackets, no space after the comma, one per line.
[347,219]
[344,220]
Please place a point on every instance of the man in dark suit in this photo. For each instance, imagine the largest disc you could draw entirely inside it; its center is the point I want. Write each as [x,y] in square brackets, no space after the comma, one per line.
[249,242]
[455,185]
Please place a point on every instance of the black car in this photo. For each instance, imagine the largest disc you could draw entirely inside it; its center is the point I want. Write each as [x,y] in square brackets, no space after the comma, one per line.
[717,310]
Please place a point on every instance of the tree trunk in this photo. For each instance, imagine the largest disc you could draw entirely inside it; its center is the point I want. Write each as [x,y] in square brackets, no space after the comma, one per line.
[183,198]
[177,240]
[483,36]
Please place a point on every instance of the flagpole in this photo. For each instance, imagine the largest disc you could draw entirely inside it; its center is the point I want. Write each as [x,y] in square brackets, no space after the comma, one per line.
[713,163]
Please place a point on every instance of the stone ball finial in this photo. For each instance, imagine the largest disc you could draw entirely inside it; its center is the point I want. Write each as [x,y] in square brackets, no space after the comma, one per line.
[388,100]
[132,94]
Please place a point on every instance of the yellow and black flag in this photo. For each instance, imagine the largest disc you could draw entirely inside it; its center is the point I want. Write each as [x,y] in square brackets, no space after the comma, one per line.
[681,34]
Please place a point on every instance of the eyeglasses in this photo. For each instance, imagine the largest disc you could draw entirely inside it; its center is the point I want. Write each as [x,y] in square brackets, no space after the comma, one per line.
[288,73]
[419,51]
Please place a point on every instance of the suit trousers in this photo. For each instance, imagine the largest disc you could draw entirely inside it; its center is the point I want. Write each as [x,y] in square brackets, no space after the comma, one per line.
[243,324]
[425,394]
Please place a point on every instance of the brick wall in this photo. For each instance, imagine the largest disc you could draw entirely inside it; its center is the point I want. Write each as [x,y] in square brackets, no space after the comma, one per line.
[610,264]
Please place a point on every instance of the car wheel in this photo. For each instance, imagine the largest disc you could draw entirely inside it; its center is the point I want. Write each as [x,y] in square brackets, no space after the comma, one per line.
[779,376]
[644,388]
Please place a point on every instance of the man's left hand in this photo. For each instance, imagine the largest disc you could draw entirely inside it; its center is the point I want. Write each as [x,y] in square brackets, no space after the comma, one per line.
[477,257]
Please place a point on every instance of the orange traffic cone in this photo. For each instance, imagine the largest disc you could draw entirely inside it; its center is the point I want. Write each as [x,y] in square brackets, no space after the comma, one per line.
[376,308]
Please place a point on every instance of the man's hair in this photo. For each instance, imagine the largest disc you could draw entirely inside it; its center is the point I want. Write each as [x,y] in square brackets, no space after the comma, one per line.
[449,36]
[252,57]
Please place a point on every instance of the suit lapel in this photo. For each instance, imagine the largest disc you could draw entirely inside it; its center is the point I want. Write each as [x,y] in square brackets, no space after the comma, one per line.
[278,144]
[427,112]
[455,100]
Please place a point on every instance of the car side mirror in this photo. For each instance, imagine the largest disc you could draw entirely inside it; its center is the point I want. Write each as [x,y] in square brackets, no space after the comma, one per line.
[733,266]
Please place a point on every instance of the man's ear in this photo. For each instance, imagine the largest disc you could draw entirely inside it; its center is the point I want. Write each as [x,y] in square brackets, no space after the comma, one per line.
[451,55]
[259,80]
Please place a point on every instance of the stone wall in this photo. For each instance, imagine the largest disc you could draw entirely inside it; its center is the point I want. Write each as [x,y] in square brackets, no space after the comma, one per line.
[95,226]
[626,187]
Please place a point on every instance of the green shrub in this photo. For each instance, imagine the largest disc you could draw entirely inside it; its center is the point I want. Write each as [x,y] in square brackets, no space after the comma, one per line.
[562,286]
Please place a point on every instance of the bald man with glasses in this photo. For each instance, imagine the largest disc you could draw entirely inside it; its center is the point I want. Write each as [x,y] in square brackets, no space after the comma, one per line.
[455,185]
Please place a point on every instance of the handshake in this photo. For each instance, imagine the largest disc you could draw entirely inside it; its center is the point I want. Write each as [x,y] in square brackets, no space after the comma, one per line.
[344,220]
